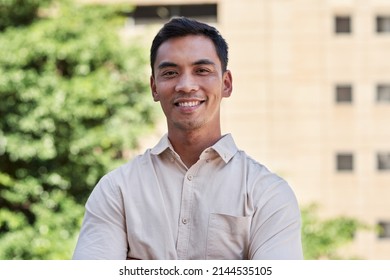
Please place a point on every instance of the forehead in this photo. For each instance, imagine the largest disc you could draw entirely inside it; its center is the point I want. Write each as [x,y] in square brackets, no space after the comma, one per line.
[189,48]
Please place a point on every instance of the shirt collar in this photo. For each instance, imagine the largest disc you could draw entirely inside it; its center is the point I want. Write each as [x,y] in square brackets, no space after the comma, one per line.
[162,145]
[225,147]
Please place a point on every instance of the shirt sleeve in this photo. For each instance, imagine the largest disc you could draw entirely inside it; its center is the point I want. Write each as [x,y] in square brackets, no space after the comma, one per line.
[103,232]
[276,225]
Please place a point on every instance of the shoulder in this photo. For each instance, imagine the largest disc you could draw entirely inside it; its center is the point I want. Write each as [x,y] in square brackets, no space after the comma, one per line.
[119,177]
[261,181]
[256,172]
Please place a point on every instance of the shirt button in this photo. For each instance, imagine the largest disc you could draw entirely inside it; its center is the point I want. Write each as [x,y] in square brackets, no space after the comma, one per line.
[189,177]
[184,221]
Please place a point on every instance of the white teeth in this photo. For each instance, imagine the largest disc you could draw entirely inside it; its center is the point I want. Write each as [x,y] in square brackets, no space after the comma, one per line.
[189,103]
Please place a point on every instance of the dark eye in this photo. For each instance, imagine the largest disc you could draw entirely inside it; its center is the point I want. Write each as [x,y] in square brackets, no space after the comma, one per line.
[169,74]
[203,71]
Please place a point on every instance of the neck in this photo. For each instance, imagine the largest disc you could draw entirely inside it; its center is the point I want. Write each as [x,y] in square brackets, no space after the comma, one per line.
[190,144]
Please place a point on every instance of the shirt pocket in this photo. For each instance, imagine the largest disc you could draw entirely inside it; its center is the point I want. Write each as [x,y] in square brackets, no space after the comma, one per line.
[227,237]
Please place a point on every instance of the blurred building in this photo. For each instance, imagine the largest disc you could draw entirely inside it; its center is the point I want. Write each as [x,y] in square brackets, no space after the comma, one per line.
[311,97]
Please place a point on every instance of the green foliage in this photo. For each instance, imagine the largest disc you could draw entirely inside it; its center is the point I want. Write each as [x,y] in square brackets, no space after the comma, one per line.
[73,100]
[19,12]
[322,238]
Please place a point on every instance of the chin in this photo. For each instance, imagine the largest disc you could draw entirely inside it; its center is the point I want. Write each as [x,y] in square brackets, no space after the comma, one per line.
[189,126]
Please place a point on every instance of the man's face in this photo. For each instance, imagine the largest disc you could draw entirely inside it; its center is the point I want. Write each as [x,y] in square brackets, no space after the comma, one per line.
[189,83]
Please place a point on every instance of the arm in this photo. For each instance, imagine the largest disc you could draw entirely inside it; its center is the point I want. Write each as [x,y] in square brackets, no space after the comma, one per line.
[276,225]
[103,232]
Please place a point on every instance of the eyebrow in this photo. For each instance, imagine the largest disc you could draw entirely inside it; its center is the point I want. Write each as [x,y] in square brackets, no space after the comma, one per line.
[163,65]
[203,62]
[166,64]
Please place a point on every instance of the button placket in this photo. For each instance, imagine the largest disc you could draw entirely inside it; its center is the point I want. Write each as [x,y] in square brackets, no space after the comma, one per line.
[185,214]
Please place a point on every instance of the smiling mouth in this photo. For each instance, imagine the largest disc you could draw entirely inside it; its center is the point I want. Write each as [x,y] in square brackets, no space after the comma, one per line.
[188,104]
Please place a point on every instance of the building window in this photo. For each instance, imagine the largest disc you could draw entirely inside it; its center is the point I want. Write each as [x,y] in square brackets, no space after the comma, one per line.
[344,162]
[343,93]
[343,24]
[384,229]
[383,24]
[383,93]
[160,13]
[383,161]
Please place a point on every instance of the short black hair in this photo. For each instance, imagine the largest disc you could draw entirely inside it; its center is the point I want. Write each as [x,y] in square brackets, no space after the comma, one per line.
[182,26]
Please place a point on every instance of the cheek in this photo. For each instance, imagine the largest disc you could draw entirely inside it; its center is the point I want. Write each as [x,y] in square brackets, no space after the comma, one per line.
[164,87]
[160,92]
[212,82]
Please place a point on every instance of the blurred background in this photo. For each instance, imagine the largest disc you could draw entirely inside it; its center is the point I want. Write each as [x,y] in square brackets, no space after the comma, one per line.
[311,101]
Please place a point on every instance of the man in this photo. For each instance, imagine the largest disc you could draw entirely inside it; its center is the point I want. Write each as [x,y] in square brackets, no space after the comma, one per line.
[194,195]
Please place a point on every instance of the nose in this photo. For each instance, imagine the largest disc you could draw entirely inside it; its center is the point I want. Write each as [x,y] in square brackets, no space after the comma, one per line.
[186,84]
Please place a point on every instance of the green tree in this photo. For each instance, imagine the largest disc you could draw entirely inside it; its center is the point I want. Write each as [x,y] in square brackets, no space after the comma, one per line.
[73,100]
[323,238]
[19,12]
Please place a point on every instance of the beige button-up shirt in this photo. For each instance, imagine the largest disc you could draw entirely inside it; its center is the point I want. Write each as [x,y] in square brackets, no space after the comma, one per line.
[226,206]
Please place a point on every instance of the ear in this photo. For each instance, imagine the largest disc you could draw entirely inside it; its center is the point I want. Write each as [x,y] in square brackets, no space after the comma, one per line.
[227,84]
[155,95]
